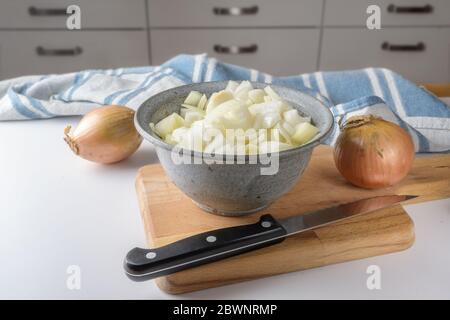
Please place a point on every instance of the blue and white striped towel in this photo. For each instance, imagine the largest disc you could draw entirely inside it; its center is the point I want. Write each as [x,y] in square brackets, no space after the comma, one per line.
[376,91]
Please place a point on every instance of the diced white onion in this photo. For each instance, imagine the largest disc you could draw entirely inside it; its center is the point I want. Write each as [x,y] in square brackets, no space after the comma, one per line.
[256,96]
[261,121]
[168,124]
[193,98]
[217,98]
[231,86]
[304,132]
[202,102]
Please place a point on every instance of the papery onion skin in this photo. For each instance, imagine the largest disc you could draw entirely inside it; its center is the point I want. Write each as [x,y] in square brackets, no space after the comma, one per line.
[373,153]
[105,135]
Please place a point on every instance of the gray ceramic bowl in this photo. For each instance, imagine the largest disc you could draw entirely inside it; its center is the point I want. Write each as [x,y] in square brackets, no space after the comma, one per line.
[231,189]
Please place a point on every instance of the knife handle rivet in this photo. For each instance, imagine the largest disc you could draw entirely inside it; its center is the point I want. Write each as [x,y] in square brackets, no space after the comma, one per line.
[266,224]
[211,239]
[150,255]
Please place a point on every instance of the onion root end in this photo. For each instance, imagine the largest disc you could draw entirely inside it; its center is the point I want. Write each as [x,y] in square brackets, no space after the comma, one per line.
[70,142]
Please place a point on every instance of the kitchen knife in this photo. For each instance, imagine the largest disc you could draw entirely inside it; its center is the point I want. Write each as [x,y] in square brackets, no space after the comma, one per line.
[144,264]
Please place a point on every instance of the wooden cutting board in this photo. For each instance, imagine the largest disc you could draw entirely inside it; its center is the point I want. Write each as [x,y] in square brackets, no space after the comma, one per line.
[169,215]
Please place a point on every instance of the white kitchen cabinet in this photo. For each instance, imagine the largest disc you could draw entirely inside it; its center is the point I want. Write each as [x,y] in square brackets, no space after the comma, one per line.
[50,14]
[283,37]
[393,12]
[421,56]
[234,13]
[445,36]
[36,52]
[280,52]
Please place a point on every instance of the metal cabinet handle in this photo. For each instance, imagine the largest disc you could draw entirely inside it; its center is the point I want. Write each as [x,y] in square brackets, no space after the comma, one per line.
[236,11]
[235,49]
[420,46]
[33,11]
[392,8]
[41,51]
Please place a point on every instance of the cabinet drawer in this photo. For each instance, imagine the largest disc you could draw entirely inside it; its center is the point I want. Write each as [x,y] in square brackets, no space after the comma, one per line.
[63,51]
[393,12]
[50,13]
[421,56]
[234,13]
[280,52]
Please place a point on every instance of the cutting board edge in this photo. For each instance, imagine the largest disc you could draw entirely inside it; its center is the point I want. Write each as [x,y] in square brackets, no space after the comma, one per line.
[166,285]
[143,203]
[171,287]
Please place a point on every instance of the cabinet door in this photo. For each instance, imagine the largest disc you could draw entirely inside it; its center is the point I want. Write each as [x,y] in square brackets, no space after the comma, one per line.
[276,51]
[421,55]
[393,12]
[37,52]
[234,13]
[50,14]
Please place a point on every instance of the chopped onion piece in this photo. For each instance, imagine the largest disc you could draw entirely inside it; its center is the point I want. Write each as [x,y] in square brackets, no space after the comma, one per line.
[293,118]
[267,99]
[271,119]
[266,107]
[242,94]
[169,139]
[304,132]
[256,96]
[232,114]
[271,93]
[183,112]
[193,108]
[231,86]
[287,127]
[285,136]
[217,98]
[178,134]
[168,124]
[193,98]
[244,85]
[237,118]
[192,116]
[202,103]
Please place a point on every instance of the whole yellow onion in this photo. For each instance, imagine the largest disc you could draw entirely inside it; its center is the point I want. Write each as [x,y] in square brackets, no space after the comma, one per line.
[105,135]
[373,153]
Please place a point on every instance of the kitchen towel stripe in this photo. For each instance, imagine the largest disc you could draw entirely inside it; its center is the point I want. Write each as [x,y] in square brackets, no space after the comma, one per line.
[377,91]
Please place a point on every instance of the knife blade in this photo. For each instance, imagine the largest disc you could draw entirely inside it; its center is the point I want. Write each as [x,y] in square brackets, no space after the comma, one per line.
[144,264]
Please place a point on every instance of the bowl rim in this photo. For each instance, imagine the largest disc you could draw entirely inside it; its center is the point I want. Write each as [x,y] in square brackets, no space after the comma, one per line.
[158,142]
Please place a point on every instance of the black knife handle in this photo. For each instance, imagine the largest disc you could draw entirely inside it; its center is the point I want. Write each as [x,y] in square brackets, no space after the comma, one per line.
[144,264]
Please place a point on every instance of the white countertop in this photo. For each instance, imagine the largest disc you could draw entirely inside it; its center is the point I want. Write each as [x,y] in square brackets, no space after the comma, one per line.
[58,210]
